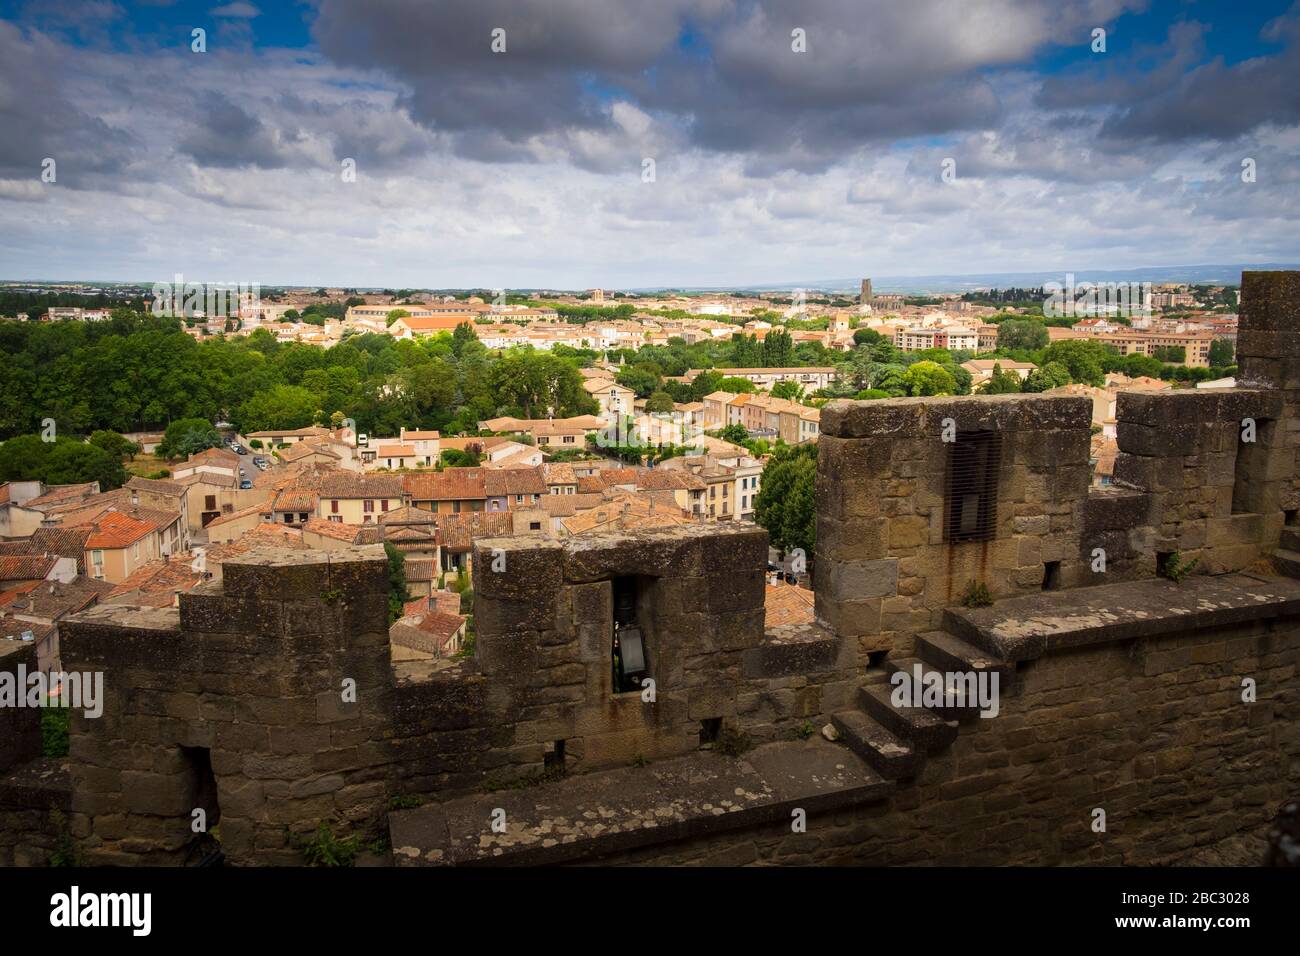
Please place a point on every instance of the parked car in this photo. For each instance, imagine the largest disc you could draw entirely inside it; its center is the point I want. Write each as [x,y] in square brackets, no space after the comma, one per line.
[245,484]
[241,450]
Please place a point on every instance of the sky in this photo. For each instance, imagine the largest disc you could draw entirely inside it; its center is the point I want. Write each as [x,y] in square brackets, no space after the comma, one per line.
[635,143]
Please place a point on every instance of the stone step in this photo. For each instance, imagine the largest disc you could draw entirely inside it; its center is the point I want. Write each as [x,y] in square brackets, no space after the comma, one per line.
[1291,539]
[950,653]
[892,758]
[1288,562]
[952,705]
[925,730]
[957,624]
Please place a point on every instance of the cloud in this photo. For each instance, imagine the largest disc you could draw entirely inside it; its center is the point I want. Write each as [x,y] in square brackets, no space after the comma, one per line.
[238,10]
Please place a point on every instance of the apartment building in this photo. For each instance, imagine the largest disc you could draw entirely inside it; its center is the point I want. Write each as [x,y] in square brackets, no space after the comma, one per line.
[955,338]
[810,377]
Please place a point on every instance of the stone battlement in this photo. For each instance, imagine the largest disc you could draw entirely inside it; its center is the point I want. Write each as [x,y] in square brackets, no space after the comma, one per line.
[270,701]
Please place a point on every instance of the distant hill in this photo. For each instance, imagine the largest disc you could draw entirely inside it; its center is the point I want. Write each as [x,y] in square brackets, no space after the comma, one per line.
[917,285]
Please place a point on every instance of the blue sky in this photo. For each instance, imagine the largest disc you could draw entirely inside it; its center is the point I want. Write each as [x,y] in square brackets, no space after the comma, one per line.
[529,167]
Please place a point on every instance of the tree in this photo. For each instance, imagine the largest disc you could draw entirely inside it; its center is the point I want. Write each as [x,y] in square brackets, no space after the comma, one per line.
[778,349]
[114,444]
[1221,353]
[284,406]
[188,436]
[398,594]
[791,391]
[867,337]
[659,402]
[734,383]
[291,315]
[734,433]
[784,504]
[644,379]
[1047,377]
[1022,334]
[61,462]
[929,378]
[462,335]
[1170,353]
[396,314]
[1000,382]
[1083,359]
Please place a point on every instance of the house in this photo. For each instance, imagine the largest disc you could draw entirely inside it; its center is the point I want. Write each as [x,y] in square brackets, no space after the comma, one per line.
[560,478]
[160,494]
[160,583]
[981,370]
[217,461]
[457,533]
[432,635]
[512,454]
[17,570]
[356,498]
[119,543]
[514,489]
[687,490]
[274,437]
[450,491]
[17,521]
[615,400]
[40,606]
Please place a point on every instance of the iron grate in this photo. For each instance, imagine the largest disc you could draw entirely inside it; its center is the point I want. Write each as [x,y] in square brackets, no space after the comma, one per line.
[971,504]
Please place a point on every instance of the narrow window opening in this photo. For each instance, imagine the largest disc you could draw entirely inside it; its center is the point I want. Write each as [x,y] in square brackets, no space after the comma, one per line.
[710,728]
[1249,467]
[1162,562]
[970,512]
[1052,576]
[554,756]
[628,657]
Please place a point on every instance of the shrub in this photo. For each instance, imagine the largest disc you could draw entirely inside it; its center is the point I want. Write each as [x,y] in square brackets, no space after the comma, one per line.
[976,595]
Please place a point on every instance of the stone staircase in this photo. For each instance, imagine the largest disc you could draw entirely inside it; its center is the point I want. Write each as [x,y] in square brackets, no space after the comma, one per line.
[1287,556]
[895,740]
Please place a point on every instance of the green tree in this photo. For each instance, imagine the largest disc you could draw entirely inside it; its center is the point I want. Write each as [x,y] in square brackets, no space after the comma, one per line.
[1047,377]
[1221,353]
[1022,334]
[113,443]
[398,594]
[283,406]
[929,378]
[1000,382]
[659,402]
[188,436]
[785,503]
[396,314]
[736,384]
[644,379]
[1083,359]
[778,349]
[791,391]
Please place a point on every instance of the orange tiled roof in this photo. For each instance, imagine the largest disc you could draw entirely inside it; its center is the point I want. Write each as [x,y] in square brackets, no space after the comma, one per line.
[115,529]
[450,484]
[787,604]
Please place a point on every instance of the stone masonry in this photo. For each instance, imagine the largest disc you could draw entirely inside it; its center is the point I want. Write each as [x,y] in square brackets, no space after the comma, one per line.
[269,700]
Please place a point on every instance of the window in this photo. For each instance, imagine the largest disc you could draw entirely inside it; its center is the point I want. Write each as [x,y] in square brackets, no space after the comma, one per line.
[534,526]
[209,502]
[337,519]
[368,506]
[383,505]
[334,506]
[971,508]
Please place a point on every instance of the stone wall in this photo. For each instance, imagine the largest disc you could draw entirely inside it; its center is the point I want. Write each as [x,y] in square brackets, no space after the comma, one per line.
[884,566]
[1153,732]
[269,700]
